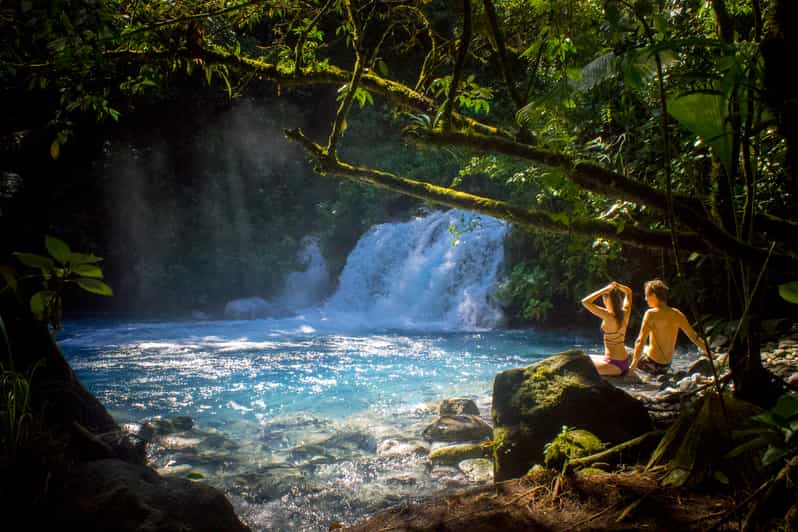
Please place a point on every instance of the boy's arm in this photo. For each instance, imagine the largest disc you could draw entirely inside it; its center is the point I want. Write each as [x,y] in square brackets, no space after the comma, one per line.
[691,334]
[641,338]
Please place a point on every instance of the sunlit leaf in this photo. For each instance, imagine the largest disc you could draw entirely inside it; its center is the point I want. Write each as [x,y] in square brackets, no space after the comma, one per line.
[58,249]
[705,115]
[95,287]
[88,270]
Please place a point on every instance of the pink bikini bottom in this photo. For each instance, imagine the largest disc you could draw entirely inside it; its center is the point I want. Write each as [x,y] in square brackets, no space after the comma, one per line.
[622,365]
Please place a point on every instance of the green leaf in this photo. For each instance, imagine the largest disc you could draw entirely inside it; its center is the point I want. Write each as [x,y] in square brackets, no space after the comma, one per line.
[721,477]
[789,291]
[786,407]
[35,261]
[756,443]
[57,249]
[95,287]
[772,455]
[40,303]
[705,115]
[88,270]
[195,476]
[55,150]
[81,258]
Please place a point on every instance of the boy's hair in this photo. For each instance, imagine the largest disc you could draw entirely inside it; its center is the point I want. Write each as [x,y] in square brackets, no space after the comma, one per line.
[658,288]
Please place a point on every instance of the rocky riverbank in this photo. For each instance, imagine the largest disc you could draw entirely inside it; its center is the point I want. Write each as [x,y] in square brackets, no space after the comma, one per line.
[591,499]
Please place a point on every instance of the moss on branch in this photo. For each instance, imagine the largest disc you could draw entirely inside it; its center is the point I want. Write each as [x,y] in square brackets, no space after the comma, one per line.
[397,93]
[530,218]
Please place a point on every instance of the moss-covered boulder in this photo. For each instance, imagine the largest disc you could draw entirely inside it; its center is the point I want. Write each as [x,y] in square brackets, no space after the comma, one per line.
[532,404]
[570,444]
[453,454]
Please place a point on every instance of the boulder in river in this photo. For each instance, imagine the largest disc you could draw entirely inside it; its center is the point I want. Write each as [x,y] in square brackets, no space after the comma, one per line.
[458,428]
[250,308]
[532,404]
[458,406]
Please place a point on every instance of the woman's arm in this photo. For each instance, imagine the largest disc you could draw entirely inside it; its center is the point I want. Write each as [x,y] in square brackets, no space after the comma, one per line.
[627,292]
[588,303]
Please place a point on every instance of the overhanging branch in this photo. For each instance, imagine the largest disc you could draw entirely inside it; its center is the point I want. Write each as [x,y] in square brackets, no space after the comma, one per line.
[594,178]
[397,93]
[529,218]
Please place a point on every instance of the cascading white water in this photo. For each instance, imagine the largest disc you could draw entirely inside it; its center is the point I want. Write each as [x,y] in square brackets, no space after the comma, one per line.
[309,286]
[415,275]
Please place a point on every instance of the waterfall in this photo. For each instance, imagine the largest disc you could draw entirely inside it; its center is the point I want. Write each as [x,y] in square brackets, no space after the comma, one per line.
[419,274]
[307,287]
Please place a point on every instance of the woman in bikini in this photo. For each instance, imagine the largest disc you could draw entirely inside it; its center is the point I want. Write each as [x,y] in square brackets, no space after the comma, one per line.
[617,299]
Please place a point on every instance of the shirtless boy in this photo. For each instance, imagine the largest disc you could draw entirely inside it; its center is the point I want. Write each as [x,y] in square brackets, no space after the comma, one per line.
[661,325]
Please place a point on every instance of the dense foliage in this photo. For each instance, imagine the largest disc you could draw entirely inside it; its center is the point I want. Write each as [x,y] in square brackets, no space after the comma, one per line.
[656,124]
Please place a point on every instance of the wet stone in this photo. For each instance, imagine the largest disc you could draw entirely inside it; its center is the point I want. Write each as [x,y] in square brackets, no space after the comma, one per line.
[477,469]
[458,406]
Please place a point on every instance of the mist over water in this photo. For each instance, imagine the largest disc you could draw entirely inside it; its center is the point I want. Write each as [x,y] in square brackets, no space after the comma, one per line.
[317,419]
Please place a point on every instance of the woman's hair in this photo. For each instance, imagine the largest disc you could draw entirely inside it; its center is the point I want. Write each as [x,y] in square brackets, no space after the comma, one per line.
[616,298]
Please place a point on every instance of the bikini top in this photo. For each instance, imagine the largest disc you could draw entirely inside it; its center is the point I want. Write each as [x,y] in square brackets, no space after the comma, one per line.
[614,338]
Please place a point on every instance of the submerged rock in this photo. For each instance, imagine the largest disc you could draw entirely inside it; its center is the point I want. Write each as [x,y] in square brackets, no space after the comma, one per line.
[458,428]
[250,308]
[477,469]
[164,427]
[458,406]
[532,404]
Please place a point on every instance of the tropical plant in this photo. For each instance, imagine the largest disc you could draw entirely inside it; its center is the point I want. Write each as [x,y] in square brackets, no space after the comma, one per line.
[58,271]
[16,416]
[678,112]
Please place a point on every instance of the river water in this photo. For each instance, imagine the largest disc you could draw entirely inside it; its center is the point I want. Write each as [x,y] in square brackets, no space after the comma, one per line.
[316,419]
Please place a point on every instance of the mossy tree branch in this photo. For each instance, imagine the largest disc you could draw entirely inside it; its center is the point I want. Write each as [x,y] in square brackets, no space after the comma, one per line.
[530,218]
[594,178]
[397,93]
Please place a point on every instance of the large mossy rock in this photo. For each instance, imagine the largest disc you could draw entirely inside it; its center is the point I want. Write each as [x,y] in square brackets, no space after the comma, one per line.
[532,404]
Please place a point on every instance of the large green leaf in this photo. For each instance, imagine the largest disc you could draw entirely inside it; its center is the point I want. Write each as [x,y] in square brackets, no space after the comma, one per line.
[95,287]
[789,291]
[81,258]
[705,114]
[58,249]
[88,270]
[35,261]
